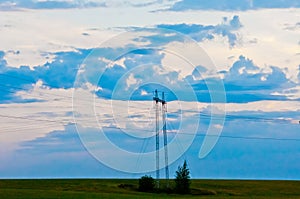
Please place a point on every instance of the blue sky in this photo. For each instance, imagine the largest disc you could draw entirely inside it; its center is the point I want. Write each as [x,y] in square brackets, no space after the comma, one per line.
[77,81]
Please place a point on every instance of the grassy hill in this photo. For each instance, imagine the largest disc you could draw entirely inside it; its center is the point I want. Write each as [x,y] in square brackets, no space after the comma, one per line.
[126,188]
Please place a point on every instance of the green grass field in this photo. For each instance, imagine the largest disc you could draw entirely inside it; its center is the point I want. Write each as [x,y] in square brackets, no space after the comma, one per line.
[109,188]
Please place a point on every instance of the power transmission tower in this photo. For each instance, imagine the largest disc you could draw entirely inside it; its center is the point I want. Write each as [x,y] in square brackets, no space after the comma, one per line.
[164,110]
[156,99]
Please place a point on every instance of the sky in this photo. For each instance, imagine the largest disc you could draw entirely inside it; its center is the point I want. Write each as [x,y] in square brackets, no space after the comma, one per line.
[77,80]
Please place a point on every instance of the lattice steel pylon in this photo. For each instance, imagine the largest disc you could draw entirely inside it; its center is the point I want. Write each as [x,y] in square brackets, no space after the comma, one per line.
[156,99]
[164,110]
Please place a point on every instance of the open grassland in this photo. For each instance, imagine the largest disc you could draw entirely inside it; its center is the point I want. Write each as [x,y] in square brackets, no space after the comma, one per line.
[125,188]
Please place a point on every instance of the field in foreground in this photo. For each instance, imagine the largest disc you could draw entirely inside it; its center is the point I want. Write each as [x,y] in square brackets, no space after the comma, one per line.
[123,188]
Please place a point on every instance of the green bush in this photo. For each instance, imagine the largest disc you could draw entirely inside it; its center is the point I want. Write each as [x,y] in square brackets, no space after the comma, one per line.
[146,184]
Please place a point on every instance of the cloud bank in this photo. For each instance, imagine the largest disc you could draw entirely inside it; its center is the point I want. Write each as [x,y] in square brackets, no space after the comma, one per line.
[200,32]
[48,4]
[233,5]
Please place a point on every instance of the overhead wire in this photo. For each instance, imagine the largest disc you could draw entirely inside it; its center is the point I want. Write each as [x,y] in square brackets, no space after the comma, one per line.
[227,116]
[144,130]
[201,114]
[42,95]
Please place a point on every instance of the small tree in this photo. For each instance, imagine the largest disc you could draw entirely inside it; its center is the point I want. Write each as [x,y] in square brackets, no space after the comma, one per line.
[182,180]
[146,184]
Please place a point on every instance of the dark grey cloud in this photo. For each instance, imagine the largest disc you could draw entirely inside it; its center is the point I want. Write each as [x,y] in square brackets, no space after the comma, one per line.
[62,70]
[11,81]
[292,27]
[231,5]
[245,82]
[48,4]
[241,83]
[85,34]
[241,73]
[60,73]
[246,158]
[134,58]
[59,154]
[200,32]
[147,3]
[66,141]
